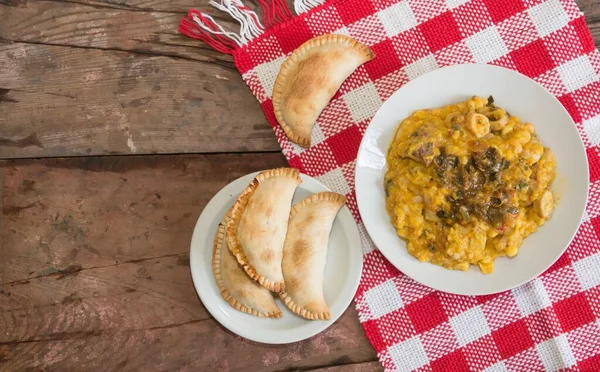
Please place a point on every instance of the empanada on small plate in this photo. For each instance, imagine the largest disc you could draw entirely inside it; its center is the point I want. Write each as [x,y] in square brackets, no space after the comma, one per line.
[310,77]
[342,271]
[259,221]
[240,291]
[305,254]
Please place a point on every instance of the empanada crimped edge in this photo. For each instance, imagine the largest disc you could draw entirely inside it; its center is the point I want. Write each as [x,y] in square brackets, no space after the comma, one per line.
[291,60]
[216,266]
[236,214]
[285,297]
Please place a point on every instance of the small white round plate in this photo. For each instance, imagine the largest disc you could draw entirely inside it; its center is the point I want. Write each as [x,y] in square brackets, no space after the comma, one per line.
[342,271]
[520,96]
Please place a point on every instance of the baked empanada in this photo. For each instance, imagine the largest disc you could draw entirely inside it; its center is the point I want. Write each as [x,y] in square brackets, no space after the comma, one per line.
[305,254]
[241,292]
[258,225]
[309,78]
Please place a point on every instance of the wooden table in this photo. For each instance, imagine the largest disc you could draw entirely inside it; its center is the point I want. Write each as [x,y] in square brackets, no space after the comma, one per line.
[95,225]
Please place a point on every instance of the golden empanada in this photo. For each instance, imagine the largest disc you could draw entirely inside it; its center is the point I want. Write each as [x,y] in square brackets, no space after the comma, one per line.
[305,254]
[241,292]
[309,78]
[258,225]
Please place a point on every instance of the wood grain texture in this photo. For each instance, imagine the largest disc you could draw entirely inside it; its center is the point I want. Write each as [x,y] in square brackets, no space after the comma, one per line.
[103,211]
[195,346]
[84,26]
[359,367]
[168,6]
[115,77]
[95,270]
[90,244]
[94,265]
[73,101]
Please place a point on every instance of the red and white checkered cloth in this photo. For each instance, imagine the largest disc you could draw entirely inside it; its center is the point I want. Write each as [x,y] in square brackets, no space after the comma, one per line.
[551,323]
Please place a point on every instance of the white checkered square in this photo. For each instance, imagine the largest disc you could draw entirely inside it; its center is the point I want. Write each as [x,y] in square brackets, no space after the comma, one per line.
[397,18]
[421,67]
[365,239]
[383,299]
[455,3]
[577,73]
[498,367]
[316,135]
[531,297]
[548,17]
[408,355]
[592,129]
[363,102]
[336,181]
[267,73]
[556,353]
[469,326]
[487,45]
[587,271]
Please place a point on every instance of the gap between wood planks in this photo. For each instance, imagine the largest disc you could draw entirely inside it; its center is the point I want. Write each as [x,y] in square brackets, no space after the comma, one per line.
[77,268]
[101,5]
[225,64]
[336,363]
[210,153]
[119,7]
[65,336]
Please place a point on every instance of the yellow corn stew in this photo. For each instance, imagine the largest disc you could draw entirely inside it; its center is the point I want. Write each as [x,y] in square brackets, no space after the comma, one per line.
[466,183]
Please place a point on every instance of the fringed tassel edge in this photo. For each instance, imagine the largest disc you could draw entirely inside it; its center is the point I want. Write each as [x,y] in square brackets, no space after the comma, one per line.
[303,6]
[202,26]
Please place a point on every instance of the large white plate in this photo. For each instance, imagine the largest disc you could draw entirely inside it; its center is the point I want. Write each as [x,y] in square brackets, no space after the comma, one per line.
[342,272]
[520,96]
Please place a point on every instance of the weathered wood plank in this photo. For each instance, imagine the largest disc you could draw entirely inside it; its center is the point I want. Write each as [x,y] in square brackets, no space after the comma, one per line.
[94,271]
[102,211]
[90,244]
[62,101]
[360,367]
[128,296]
[169,6]
[196,346]
[72,24]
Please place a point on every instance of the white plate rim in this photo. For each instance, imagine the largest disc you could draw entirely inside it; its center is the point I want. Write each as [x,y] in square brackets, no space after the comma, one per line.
[408,85]
[212,208]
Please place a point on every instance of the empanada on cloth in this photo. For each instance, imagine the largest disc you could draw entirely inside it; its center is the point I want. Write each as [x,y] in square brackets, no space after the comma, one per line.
[258,225]
[310,77]
[305,254]
[240,291]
